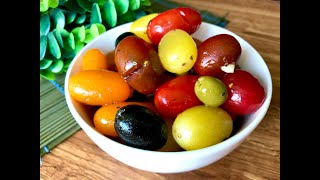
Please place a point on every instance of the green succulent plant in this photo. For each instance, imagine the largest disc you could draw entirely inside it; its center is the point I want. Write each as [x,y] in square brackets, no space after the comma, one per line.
[67,25]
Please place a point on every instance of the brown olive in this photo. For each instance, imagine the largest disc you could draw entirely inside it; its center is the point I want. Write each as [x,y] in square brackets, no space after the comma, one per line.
[139,63]
[216,52]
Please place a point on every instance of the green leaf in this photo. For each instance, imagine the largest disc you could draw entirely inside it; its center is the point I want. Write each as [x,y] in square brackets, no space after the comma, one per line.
[73,5]
[44,5]
[62,2]
[101,28]
[57,17]
[70,16]
[145,3]
[79,33]
[95,14]
[53,46]
[89,36]
[134,4]
[71,40]
[94,30]
[79,45]
[127,17]
[56,66]
[66,65]
[100,2]
[45,73]
[53,3]
[58,37]
[85,4]
[45,63]
[43,46]
[68,54]
[44,24]
[109,13]
[64,33]
[122,6]
[139,13]
[80,19]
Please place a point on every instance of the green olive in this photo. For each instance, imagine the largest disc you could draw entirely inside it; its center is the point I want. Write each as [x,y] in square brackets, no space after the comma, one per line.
[201,126]
[211,91]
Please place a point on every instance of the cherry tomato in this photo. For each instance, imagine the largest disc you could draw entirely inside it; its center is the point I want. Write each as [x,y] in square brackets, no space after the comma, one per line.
[139,26]
[215,53]
[98,87]
[201,126]
[94,59]
[245,93]
[139,64]
[122,36]
[177,51]
[104,117]
[176,95]
[186,19]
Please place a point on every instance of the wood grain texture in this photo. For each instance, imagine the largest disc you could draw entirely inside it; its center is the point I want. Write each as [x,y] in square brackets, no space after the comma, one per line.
[258,157]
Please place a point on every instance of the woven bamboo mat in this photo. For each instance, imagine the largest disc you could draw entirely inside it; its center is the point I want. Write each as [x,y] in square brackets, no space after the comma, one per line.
[56,122]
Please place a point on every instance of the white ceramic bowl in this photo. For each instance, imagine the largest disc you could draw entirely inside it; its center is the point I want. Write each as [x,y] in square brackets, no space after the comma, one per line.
[172,162]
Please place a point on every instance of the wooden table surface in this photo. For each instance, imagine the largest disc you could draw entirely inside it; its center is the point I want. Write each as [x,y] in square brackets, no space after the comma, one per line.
[256,21]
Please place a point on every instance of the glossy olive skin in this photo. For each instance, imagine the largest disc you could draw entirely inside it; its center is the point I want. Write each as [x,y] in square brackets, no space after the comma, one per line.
[139,127]
[214,52]
[138,62]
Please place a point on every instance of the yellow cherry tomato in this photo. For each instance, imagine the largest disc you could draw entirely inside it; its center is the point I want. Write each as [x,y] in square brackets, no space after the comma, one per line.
[201,126]
[139,26]
[177,51]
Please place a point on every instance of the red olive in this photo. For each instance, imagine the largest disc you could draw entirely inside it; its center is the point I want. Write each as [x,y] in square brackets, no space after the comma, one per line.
[216,52]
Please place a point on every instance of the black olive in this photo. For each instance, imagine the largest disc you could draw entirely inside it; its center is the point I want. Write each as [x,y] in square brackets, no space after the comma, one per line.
[141,128]
[122,36]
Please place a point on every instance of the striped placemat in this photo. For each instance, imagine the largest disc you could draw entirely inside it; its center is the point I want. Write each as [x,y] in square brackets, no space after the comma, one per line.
[56,122]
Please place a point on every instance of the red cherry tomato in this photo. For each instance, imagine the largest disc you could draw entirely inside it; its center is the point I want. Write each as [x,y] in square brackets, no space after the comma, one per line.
[215,52]
[176,95]
[245,93]
[182,18]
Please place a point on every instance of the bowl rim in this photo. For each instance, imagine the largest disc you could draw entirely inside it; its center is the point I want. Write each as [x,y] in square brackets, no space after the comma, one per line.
[233,140]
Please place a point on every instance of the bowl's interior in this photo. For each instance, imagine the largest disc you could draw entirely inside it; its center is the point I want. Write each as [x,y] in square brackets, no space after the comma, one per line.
[250,60]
